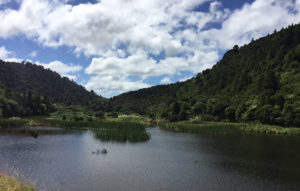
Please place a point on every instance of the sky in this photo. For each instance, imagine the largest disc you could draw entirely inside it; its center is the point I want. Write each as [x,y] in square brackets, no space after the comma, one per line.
[116,46]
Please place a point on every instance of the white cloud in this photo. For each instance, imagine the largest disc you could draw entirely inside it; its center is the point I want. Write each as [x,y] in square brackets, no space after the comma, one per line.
[255,20]
[71,77]
[136,65]
[4,53]
[185,78]
[166,80]
[109,85]
[125,38]
[18,60]
[8,56]
[61,68]
[33,54]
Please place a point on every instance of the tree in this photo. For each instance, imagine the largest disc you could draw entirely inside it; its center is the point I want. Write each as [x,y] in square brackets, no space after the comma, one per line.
[100,115]
[270,80]
[230,113]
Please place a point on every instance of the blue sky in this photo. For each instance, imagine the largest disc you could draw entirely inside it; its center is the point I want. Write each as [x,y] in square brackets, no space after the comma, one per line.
[115,46]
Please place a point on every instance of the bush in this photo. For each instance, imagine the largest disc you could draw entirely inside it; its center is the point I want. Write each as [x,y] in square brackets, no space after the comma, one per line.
[64,117]
[199,108]
[100,115]
[206,117]
[230,113]
[113,115]
[76,118]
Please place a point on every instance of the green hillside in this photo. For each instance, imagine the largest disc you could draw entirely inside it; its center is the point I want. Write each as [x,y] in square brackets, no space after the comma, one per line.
[22,77]
[23,104]
[257,82]
[30,90]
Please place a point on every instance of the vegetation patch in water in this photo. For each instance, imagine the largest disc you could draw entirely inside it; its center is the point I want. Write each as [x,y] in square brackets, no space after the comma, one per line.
[124,128]
[112,130]
[121,131]
[226,128]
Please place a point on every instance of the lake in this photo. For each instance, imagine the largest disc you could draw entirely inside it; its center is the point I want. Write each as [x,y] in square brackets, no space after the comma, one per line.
[64,160]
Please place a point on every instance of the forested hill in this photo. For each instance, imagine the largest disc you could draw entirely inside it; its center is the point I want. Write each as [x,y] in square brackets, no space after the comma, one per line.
[24,77]
[257,82]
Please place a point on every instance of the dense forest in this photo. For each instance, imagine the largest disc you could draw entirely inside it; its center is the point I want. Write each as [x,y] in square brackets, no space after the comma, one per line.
[28,90]
[257,82]
[22,77]
[14,104]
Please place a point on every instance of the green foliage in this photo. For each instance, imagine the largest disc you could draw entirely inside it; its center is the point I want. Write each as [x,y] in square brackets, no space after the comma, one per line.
[20,77]
[100,115]
[257,82]
[104,130]
[64,117]
[227,128]
[23,104]
[199,108]
[230,113]
[113,114]
[122,131]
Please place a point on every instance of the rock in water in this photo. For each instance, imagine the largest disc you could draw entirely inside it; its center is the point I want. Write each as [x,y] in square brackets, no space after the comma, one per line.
[104,151]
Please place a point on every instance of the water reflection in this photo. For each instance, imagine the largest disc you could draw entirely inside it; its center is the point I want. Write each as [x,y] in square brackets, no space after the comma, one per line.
[168,161]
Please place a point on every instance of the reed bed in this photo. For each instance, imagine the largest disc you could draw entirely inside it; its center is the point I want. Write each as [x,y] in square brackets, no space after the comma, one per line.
[226,128]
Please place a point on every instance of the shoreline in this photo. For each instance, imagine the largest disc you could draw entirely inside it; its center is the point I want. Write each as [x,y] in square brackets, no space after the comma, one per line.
[11,184]
[110,127]
[227,128]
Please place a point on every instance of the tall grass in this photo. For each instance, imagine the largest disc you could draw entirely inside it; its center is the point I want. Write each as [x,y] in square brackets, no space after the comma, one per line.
[105,130]
[121,135]
[226,128]
[119,129]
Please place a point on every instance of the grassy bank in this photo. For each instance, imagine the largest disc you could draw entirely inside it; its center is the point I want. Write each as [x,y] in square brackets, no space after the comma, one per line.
[10,184]
[226,128]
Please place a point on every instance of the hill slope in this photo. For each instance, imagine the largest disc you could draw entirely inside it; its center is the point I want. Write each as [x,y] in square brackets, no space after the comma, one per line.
[257,82]
[20,77]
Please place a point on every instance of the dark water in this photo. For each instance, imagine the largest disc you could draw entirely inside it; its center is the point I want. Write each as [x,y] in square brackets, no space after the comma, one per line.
[169,161]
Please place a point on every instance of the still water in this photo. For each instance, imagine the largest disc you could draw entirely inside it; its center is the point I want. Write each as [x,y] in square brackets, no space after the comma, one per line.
[59,160]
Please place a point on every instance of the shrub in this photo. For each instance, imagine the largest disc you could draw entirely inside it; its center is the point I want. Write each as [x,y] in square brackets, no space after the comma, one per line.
[64,117]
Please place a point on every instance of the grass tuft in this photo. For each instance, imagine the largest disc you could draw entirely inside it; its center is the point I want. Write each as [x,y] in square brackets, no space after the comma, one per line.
[10,184]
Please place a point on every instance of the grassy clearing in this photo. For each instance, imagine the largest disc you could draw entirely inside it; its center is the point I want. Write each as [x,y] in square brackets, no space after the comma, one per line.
[227,128]
[10,184]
